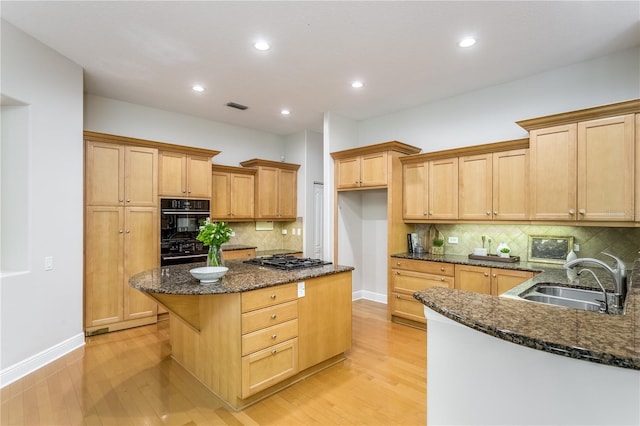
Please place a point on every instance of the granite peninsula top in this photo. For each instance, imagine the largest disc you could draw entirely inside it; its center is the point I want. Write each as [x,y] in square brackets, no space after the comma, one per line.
[241,277]
[605,339]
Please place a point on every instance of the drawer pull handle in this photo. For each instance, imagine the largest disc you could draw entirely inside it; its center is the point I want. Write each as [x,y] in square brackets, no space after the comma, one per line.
[397,272]
[397,296]
[273,296]
[273,316]
[441,278]
[442,268]
[273,336]
[273,352]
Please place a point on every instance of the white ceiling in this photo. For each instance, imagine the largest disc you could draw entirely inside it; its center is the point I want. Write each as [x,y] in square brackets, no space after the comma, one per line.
[150,53]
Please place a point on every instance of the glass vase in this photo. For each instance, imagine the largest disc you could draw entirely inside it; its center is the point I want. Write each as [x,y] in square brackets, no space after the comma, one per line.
[214,257]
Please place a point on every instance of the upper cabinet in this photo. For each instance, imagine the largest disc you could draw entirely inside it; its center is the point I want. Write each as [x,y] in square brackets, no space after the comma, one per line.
[366,167]
[120,175]
[185,175]
[276,189]
[233,190]
[583,164]
[494,185]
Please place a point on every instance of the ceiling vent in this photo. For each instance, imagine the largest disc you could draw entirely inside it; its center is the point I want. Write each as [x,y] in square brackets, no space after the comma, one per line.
[237,106]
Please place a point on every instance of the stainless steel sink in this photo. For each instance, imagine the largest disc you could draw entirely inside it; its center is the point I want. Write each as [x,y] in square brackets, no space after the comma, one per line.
[569,297]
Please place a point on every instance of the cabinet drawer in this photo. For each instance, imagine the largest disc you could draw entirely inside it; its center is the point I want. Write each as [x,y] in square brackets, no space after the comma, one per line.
[439,268]
[269,336]
[262,298]
[409,282]
[268,367]
[405,306]
[266,317]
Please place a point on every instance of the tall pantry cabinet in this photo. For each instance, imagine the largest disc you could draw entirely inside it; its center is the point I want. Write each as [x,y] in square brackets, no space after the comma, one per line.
[121,233]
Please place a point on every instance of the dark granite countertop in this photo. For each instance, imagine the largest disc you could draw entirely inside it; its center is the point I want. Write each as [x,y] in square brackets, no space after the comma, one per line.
[606,339]
[241,277]
[464,260]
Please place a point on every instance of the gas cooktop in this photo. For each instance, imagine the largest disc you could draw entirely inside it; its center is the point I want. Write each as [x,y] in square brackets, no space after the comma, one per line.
[287,263]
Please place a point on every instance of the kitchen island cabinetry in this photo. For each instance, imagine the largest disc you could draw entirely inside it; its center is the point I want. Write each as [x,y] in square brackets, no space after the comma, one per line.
[409,276]
[485,280]
[233,193]
[256,331]
[185,175]
[276,189]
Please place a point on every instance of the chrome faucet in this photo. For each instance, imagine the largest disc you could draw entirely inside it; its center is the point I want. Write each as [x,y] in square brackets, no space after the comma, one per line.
[618,272]
[605,305]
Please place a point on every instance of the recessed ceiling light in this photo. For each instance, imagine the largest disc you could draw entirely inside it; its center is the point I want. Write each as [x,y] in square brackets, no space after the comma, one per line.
[285,112]
[197,88]
[467,42]
[357,84]
[261,45]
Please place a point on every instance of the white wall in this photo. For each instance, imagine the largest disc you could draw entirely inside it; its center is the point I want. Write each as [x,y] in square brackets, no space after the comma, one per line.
[41,311]
[474,118]
[235,143]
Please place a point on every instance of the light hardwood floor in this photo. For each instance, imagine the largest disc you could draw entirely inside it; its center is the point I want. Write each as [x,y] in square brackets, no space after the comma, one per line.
[129,378]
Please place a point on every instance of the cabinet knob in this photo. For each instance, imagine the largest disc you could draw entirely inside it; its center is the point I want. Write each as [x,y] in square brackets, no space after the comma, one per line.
[430,213]
[120,231]
[273,336]
[442,268]
[397,272]
[398,263]
[273,316]
[273,296]
[583,211]
[495,213]
[572,212]
[424,213]
[273,352]
[120,200]
[486,274]
[441,278]
[493,275]
[397,296]
[128,201]
[128,231]
[488,213]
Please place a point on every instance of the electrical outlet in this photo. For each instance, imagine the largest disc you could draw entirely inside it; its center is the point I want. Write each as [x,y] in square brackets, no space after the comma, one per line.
[301,289]
[453,240]
[233,233]
[284,232]
[576,247]
[48,263]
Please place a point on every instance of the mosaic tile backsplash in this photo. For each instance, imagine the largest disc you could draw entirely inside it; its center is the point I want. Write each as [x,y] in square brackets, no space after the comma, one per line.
[622,242]
[269,240]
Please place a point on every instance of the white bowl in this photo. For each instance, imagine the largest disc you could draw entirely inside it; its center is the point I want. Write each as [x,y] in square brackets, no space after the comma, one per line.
[209,274]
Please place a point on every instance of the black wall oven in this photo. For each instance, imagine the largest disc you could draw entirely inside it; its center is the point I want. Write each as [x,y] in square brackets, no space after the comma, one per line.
[180,221]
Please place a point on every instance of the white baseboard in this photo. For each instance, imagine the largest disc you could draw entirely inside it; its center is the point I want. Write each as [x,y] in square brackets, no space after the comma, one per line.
[369,295]
[31,364]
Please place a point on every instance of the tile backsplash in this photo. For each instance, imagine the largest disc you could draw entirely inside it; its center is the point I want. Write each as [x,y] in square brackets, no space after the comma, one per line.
[622,242]
[247,234]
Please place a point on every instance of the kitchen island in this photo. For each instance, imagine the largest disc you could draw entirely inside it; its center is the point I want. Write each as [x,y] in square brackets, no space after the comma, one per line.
[499,360]
[256,331]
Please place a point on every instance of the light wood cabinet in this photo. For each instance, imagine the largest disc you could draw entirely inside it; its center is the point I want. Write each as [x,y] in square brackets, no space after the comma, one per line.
[276,189]
[494,281]
[430,189]
[184,175]
[233,193]
[494,186]
[106,167]
[119,242]
[409,276]
[362,171]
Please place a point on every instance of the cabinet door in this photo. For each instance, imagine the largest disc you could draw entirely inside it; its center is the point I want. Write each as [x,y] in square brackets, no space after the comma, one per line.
[473,278]
[198,177]
[408,282]
[324,319]
[405,306]
[373,169]
[265,368]
[141,248]
[443,189]
[348,170]
[221,195]
[511,185]
[141,176]
[103,268]
[287,194]
[104,171]
[266,198]
[606,169]
[414,186]
[503,280]
[242,196]
[553,162]
[475,188]
[173,174]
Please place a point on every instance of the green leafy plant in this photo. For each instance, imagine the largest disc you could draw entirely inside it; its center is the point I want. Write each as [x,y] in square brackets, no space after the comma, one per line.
[214,233]
[505,250]
[438,242]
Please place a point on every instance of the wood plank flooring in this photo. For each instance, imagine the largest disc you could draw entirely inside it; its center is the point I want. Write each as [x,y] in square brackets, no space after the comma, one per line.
[128,378]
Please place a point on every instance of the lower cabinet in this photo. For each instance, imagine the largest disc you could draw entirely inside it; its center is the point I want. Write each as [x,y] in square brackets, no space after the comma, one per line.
[409,276]
[495,281]
[238,254]
[245,346]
